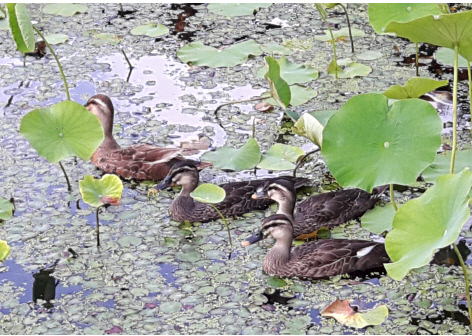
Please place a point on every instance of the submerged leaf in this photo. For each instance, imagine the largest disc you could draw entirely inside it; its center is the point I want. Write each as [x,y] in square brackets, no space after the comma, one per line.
[344,314]
[442,163]
[150,30]
[414,88]
[97,192]
[4,250]
[21,27]
[280,157]
[236,9]
[236,159]
[6,209]
[209,193]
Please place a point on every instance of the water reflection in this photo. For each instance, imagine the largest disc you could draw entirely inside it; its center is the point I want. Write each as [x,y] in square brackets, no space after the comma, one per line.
[44,287]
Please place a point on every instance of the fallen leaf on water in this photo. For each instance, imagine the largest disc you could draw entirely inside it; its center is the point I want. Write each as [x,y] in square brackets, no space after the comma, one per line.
[263,107]
[345,314]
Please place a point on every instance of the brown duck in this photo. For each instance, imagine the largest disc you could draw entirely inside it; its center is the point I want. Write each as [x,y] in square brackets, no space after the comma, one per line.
[238,199]
[139,162]
[323,210]
[318,259]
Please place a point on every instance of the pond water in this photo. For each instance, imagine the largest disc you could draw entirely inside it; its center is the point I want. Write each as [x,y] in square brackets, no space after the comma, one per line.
[154,275]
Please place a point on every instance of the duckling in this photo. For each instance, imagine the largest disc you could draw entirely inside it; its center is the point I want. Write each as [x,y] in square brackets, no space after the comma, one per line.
[238,195]
[317,259]
[323,210]
[139,162]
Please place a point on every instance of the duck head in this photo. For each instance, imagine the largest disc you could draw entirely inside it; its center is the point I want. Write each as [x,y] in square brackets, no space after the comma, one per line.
[281,191]
[183,173]
[278,226]
[102,107]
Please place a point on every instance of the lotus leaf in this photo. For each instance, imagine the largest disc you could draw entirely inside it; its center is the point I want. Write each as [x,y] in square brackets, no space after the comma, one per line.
[236,9]
[150,30]
[367,142]
[442,162]
[309,127]
[246,157]
[344,314]
[94,191]
[379,219]
[208,193]
[64,9]
[4,250]
[280,157]
[63,130]
[202,55]
[370,55]
[56,38]
[6,209]
[104,38]
[21,27]
[414,88]
[446,56]
[293,73]
[279,89]
[349,69]
[430,222]
[275,281]
[323,116]
[340,34]
[275,48]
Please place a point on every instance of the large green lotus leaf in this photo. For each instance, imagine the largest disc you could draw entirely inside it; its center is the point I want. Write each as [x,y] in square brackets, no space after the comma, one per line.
[280,157]
[444,30]
[308,126]
[64,9]
[344,314]
[63,130]
[104,38]
[275,48]
[442,162]
[237,159]
[279,88]
[293,73]
[414,88]
[446,56]
[4,250]
[430,222]
[202,55]
[21,27]
[208,193]
[150,30]
[56,38]
[236,9]
[379,219]
[97,192]
[6,209]
[369,143]
[323,116]
[340,33]
[381,14]
[349,69]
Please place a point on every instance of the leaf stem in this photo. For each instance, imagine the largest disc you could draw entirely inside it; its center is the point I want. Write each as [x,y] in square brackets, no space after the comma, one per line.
[300,162]
[332,39]
[121,8]
[97,227]
[127,59]
[392,198]
[69,188]
[470,90]
[226,223]
[454,110]
[57,60]
[348,25]
[416,61]
[467,284]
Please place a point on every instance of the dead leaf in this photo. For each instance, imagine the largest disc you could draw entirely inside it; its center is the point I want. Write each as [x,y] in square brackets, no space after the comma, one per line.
[345,314]
[193,146]
[114,201]
[263,107]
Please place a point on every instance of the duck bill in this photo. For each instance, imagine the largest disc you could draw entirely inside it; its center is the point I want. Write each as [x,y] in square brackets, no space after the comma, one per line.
[165,183]
[259,194]
[253,239]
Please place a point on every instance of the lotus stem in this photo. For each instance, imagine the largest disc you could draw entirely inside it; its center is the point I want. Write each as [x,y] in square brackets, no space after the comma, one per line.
[254,127]
[226,223]
[416,61]
[69,188]
[24,60]
[97,227]
[470,92]
[348,25]
[454,110]
[392,198]
[121,8]
[126,58]
[57,60]
[467,284]
[332,40]
[299,163]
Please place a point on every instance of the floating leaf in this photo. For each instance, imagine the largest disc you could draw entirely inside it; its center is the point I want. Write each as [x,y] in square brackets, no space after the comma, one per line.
[370,55]
[368,143]
[104,38]
[280,157]
[94,190]
[63,130]
[4,250]
[6,209]
[379,219]
[202,55]
[209,193]
[263,107]
[446,56]
[230,158]
[339,34]
[381,14]
[442,163]
[236,9]
[275,48]
[150,30]
[349,69]
[279,89]
[440,212]
[301,94]
[414,88]
[56,38]
[309,127]
[293,73]
[344,314]
[21,27]
[275,281]
[64,9]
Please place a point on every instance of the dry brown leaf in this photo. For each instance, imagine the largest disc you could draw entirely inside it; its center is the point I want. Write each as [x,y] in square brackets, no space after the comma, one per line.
[345,314]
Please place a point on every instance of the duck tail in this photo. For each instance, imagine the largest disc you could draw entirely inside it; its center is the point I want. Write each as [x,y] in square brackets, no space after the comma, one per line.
[379,190]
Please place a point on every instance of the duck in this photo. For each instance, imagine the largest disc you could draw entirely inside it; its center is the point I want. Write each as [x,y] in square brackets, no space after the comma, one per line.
[138,162]
[324,210]
[319,259]
[238,200]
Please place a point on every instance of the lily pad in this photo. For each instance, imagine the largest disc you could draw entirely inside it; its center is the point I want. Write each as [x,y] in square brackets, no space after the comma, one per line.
[104,38]
[381,14]
[202,55]
[379,219]
[64,9]
[229,158]
[150,30]
[344,314]
[414,88]
[442,162]
[446,56]
[280,157]
[6,209]
[275,48]
[56,38]
[208,193]
[293,73]
[370,55]
[301,94]
[4,250]
[236,9]
[63,130]
[279,89]
[349,69]
[440,212]
[21,27]
[344,32]
[275,281]
[367,142]
[309,127]
[94,190]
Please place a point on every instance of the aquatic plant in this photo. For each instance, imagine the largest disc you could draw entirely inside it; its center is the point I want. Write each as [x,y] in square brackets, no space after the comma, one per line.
[332,5]
[4,250]
[414,88]
[6,209]
[323,14]
[345,314]
[236,9]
